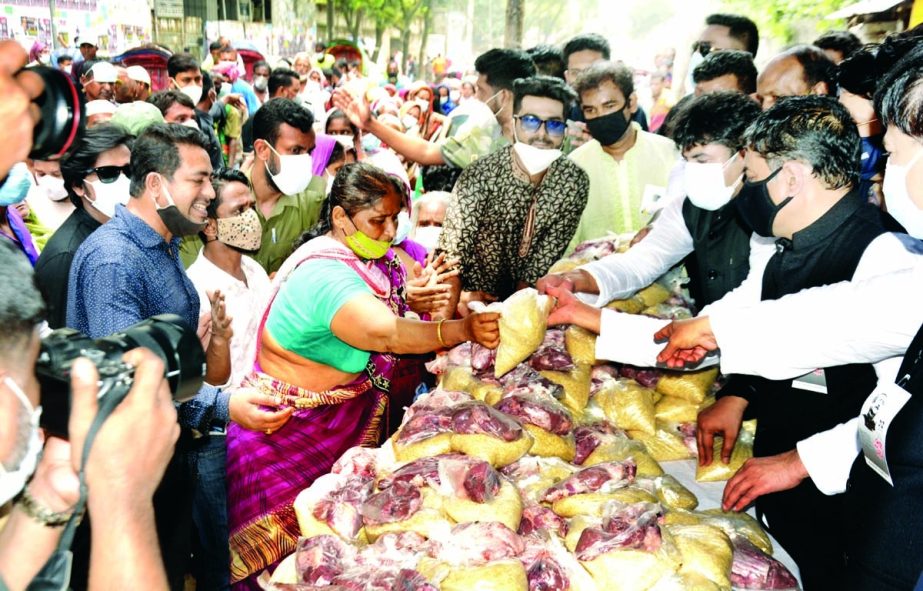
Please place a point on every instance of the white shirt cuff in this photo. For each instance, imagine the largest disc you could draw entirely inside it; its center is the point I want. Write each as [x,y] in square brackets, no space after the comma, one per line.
[627,338]
[829,456]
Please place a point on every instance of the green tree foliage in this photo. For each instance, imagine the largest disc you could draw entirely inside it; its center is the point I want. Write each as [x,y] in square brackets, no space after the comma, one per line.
[788,21]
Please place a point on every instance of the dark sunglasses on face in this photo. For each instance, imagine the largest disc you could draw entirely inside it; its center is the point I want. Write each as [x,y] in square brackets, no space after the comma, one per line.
[531,123]
[109,174]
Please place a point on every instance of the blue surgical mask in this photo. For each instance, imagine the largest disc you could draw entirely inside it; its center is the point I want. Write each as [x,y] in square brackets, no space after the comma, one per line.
[873,157]
[16,186]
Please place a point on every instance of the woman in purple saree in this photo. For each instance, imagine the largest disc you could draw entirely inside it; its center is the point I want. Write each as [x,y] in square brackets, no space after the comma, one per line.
[327,346]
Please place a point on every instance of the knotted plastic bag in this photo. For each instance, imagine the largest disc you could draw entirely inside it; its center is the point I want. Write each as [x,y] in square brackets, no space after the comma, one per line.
[523,320]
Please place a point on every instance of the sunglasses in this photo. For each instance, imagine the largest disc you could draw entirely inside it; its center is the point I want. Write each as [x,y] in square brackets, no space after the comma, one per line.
[531,123]
[109,174]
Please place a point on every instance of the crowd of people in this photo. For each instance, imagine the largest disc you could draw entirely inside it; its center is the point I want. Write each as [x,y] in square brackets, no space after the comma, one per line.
[323,233]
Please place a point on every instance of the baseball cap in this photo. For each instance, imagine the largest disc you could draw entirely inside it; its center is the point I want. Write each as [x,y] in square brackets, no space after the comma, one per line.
[136,117]
[98,107]
[104,72]
[139,74]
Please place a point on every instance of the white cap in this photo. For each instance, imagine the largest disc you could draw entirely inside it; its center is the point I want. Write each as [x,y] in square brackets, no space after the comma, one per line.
[104,72]
[139,74]
[90,36]
[99,107]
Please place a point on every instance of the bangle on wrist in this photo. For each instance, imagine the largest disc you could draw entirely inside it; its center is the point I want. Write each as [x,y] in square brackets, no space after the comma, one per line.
[42,514]
[439,334]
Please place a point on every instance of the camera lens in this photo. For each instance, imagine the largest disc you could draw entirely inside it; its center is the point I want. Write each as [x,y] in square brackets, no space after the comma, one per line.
[62,114]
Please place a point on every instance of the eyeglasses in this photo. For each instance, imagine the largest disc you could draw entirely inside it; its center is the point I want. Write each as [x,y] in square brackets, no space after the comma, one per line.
[109,174]
[531,123]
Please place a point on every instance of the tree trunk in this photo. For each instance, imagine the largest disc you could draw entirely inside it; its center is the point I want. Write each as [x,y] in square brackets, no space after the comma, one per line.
[330,21]
[427,22]
[379,35]
[405,46]
[357,25]
[513,35]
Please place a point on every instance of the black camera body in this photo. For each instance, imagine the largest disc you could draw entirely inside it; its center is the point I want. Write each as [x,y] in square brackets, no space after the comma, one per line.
[165,335]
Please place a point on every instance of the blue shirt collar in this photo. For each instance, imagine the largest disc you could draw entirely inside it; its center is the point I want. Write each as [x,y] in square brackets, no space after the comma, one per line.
[140,231]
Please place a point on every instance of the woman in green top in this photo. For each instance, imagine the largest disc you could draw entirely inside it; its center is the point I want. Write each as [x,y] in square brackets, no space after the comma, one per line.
[326,349]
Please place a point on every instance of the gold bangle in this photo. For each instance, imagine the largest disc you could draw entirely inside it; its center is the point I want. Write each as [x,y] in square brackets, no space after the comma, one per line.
[439,334]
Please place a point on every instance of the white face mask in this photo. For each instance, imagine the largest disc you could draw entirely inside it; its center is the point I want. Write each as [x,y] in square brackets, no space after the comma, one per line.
[294,172]
[346,141]
[533,159]
[897,196]
[192,91]
[108,195]
[428,237]
[53,187]
[191,123]
[704,184]
[403,227]
[330,183]
[410,122]
[423,104]
[16,470]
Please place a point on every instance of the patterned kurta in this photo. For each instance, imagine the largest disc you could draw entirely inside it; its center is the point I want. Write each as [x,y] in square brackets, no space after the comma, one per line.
[488,217]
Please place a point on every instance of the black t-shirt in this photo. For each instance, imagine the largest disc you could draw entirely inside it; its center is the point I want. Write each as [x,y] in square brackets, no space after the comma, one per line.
[52,269]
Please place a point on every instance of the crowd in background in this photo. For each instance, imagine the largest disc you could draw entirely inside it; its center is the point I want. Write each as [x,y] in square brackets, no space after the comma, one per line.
[324,231]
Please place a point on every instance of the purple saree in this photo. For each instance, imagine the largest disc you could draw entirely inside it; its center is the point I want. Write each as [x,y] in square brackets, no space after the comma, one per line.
[266,472]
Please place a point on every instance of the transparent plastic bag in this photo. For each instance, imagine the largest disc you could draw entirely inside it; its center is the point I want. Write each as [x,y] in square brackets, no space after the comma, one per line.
[523,320]
[576,384]
[737,525]
[666,444]
[552,354]
[617,449]
[602,478]
[676,410]
[692,385]
[627,405]
[743,451]
[752,568]
[671,493]
[706,551]
[581,344]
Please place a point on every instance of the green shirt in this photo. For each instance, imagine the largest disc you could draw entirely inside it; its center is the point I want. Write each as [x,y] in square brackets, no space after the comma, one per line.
[291,216]
[616,188]
[300,317]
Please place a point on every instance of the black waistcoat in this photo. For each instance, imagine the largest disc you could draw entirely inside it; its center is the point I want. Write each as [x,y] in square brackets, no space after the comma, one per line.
[885,528]
[720,261]
[825,252]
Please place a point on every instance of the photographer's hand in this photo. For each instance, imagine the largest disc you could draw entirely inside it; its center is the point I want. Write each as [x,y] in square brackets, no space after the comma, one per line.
[124,468]
[17,114]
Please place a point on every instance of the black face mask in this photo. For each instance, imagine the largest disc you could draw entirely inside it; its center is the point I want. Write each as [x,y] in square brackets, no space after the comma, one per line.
[174,220]
[756,208]
[610,128]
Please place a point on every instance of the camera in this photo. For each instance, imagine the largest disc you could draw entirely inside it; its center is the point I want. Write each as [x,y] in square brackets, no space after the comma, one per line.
[166,335]
[62,110]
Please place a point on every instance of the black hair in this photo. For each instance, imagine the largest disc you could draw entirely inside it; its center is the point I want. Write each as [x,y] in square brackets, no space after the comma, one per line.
[165,99]
[181,62]
[333,72]
[262,64]
[666,128]
[895,47]
[341,63]
[548,60]
[722,63]
[502,67]
[715,118]
[227,49]
[817,130]
[740,28]
[586,42]
[157,150]
[595,75]
[542,86]
[337,154]
[843,41]
[64,58]
[83,155]
[899,100]
[357,186]
[220,178]
[215,46]
[281,78]
[274,113]
[857,74]
[338,114]
[21,305]
[817,66]
[208,83]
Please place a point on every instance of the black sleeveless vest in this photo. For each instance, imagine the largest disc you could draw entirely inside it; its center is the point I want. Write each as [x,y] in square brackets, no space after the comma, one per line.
[825,252]
[720,260]
[885,528]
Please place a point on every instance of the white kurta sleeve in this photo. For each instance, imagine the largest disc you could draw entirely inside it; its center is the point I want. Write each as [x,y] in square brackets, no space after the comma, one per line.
[622,274]
[829,456]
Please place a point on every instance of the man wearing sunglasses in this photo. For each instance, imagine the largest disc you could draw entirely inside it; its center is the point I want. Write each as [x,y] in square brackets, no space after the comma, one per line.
[95,177]
[514,211]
